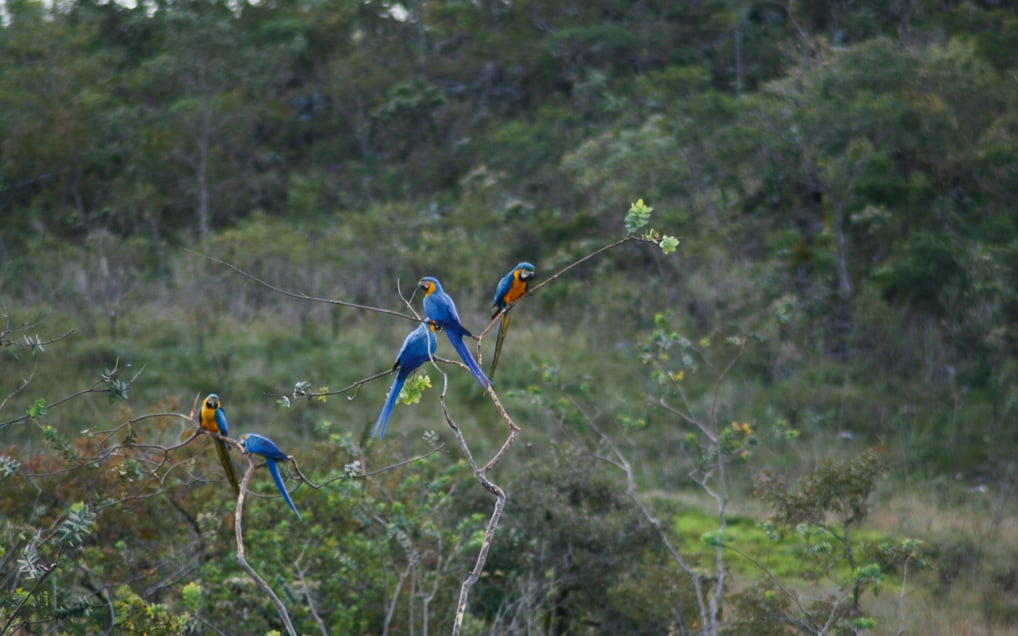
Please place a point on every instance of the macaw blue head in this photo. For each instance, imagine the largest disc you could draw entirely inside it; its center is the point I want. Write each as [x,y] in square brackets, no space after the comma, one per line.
[430,285]
[524,271]
[212,402]
[251,442]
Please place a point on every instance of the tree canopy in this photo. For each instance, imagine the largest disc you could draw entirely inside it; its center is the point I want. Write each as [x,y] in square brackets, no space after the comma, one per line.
[841,180]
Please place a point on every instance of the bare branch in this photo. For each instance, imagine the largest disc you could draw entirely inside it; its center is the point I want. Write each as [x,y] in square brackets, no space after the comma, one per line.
[307,589]
[299,296]
[239,528]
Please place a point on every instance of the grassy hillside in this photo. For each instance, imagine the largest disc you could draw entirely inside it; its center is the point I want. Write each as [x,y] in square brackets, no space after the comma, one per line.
[798,422]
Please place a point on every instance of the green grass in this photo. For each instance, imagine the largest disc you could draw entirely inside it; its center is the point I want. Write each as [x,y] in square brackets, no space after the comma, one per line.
[752,551]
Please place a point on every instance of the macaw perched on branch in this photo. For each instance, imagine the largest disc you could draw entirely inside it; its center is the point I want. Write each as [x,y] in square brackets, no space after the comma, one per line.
[418,347]
[440,308]
[213,419]
[260,445]
[511,288]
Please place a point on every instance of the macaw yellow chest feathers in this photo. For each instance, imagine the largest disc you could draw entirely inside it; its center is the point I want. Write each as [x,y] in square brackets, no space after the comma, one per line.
[210,417]
[510,288]
[518,289]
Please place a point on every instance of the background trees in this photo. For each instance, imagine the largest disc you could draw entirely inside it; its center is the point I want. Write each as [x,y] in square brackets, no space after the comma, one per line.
[842,176]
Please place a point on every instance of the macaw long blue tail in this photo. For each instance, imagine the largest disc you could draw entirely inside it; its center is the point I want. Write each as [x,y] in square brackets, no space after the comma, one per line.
[390,403]
[461,348]
[274,469]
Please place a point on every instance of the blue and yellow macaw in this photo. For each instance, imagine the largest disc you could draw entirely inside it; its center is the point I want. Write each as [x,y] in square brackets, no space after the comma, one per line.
[440,308]
[418,347]
[511,288]
[260,445]
[213,419]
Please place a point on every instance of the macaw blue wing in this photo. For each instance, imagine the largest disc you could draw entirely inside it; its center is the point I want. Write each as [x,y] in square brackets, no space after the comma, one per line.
[439,307]
[501,291]
[265,447]
[224,429]
[418,347]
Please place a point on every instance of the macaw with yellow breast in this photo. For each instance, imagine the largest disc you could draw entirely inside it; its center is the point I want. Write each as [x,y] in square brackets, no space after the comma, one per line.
[511,288]
[213,419]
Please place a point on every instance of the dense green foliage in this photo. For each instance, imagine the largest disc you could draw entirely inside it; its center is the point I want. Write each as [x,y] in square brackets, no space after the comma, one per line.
[843,179]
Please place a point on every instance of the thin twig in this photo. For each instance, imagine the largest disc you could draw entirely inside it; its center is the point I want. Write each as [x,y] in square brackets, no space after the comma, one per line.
[496,513]
[807,622]
[385,469]
[299,296]
[239,527]
[41,579]
[307,590]
[622,463]
[532,290]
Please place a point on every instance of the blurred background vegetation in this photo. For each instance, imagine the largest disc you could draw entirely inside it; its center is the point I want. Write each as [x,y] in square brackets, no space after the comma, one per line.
[844,180]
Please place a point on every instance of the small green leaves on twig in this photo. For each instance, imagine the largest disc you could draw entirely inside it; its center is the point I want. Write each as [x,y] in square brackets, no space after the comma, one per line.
[78,607]
[9,466]
[668,244]
[638,216]
[715,538]
[67,450]
[432,439]
[116,389]
[76,526]
[29,564]
[38,409]
[302,391]
[191,594]
[414,388]
[35,343]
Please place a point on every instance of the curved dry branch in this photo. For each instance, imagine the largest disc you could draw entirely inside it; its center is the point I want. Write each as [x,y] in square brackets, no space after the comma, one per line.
[619,460]
[497,491]
[299,296]
[301,570]
[239,528]
[105,452]
[493,521]
[25,381]
[67,398]
[531,291]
